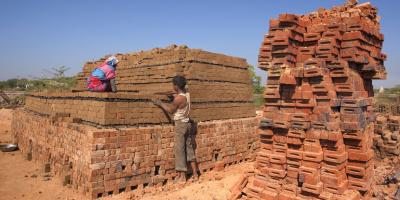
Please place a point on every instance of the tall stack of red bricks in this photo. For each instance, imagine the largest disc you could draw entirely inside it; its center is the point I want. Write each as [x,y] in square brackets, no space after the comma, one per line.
[317,131]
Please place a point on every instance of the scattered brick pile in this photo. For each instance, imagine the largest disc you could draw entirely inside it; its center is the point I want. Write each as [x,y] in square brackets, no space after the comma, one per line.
[317,130]
[10,100]
[387,108]
[387,136]
[101,162]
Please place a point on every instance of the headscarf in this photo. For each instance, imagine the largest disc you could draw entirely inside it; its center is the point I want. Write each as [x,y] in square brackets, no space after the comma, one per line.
[112,60]
[106,71]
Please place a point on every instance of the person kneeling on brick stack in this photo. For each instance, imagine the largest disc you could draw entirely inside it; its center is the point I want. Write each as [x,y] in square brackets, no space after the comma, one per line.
[183,148]
[102,78]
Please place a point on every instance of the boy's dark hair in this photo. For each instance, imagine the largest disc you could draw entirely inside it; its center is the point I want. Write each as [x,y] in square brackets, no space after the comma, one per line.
[179,81]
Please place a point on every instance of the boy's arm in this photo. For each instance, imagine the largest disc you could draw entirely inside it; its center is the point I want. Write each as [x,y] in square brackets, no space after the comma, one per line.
[170,107]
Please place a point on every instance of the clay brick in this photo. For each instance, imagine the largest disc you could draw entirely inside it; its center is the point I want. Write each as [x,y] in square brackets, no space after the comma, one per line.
[313,156]
[313,189]
[269,195]
[310,37]
[289,192]
[336,189]
[332,34]
[336,26]
[312,145]
[294,154]
[327,49]
[294,141]
[287,79]
[335,157]
[359,185]
[292,172]
[288,18]
[309,175]
[260,181]
[361,156]
[317,28]
[277,173]
[307,51]
[278,159]
[359,171]
[253,191]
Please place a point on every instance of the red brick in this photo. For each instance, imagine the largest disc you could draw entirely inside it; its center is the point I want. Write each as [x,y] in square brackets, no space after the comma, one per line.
[313,189]
[309,175]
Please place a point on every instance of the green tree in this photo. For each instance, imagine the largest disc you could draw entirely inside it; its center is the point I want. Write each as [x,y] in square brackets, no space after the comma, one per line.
[256,81]
[258,89]
[11,83]
[57,72]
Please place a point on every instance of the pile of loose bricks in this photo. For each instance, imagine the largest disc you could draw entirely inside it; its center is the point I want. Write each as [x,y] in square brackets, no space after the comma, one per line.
[387,108]
[108,143]
[387,135]
[317,130]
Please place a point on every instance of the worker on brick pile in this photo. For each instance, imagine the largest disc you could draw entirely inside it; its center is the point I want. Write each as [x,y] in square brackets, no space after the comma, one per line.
[183,148]
[102,78]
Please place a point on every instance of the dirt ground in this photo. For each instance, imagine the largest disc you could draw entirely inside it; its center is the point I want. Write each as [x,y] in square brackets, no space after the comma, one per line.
[23,179]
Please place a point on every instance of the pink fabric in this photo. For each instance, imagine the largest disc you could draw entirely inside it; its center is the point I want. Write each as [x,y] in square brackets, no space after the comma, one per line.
[96,85]
[108,71]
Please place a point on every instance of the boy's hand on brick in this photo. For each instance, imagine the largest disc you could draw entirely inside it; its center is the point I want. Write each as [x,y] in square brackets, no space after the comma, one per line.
[157,102]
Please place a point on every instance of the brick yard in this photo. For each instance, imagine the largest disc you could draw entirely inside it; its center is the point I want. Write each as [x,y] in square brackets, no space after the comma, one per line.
[102,144]
[320,133]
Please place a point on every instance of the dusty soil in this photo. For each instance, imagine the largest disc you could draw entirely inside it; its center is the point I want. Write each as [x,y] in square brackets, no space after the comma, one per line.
[5,125]
[23,179]
[384,170]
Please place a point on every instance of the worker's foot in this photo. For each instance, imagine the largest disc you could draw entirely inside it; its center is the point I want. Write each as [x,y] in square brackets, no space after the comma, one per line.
[195,176]
[181,177]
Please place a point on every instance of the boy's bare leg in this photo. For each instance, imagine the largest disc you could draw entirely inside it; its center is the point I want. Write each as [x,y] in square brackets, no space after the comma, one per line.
[194,170]
[182,177]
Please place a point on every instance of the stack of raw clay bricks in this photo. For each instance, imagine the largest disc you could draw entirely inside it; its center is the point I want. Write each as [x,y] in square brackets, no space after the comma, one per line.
[387,135]
[317,129]
[108,143]
[211,77]
[103,161]
[219,86]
